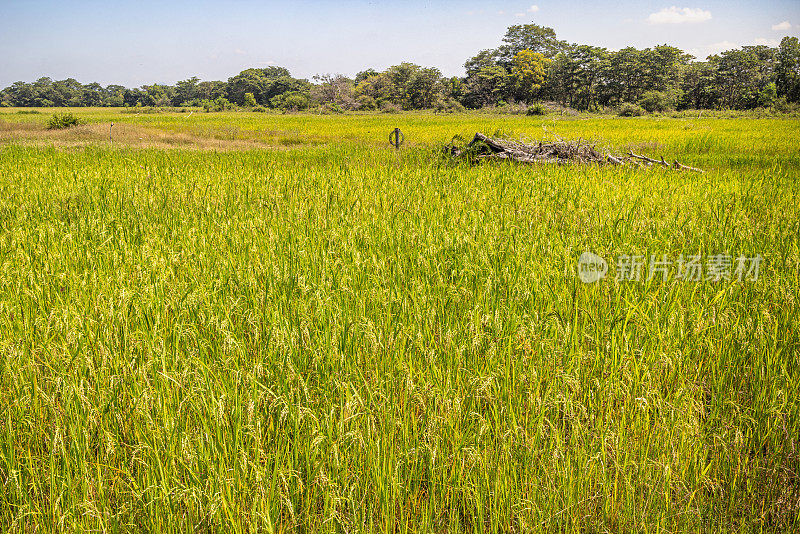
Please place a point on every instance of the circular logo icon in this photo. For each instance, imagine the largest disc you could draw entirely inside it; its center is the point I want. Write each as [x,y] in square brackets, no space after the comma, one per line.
[591,268]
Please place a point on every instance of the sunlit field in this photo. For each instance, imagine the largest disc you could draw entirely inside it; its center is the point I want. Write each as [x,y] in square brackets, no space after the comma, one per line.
[246,322]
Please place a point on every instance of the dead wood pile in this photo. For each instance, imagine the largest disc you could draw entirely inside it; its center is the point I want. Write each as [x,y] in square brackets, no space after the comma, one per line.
[559,152]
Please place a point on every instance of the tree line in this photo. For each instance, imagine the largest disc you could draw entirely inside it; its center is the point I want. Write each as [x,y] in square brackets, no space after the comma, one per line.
[532,65]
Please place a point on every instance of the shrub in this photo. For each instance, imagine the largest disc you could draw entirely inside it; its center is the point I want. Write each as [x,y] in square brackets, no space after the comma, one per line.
[250,100]
[448,105]
[536,109]
[218,104]
[259,109]
[61,121]
[366,103]
[653,101]
[768,95]
[782,106]
[388,107]
[291,101]
[631,110]
[331,108]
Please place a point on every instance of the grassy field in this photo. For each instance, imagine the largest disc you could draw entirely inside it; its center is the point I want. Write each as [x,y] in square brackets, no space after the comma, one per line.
[242,322]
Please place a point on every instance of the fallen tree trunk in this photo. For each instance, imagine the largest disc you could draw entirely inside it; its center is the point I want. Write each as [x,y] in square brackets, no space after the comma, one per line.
[559,152]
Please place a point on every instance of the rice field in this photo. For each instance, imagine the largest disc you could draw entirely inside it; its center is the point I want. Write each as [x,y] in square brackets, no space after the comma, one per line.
[242,322]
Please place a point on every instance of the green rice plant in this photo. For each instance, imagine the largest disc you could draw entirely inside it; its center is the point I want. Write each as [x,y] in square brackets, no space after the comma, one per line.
[325,334]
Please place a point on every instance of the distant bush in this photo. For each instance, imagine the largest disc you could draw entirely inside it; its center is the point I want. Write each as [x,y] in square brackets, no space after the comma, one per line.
[259,109]
[768,96]
[331,108]
[448,105]
[631,110]
[388,107]
[536,109]
[656,101]
[142,109]
[291,101]
[218,104]
[29,112]
[366,103]
[511,108]
[61,121]
[250,100]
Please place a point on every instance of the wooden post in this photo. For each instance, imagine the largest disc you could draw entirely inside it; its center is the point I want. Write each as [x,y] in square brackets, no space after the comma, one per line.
[396,138]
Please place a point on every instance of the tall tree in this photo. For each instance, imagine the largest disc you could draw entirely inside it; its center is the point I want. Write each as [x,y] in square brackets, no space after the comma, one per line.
[483,59]
[742,74]
[698,86]
[424,88]
[486,87]
[186,91]
[528,74]
[787,70]
[335,90]
[627,75]
[528,37]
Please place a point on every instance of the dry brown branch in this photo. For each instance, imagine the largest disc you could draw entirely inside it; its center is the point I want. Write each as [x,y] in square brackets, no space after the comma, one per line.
[559,152]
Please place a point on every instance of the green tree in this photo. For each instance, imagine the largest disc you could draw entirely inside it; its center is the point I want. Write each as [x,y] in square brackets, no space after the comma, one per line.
[424,88]
[250,100]
[158,95]
[626,75]
[248,81]
[528,74]
[576,77]
[787,70]
[92,94]
[186,91]
[531,37]
[114,95]
[364,74]
[768,95]
[483,59]
[698,86]
[742,74]
[291,101]
[486,87]
[211,90]
[334,90]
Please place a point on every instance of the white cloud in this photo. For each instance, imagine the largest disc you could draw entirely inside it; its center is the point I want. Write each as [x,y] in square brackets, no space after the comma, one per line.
[240,52]
[533,9]
[715,48]
[679,15]
[501,12]
[519,15]
[768,42]
[782,26]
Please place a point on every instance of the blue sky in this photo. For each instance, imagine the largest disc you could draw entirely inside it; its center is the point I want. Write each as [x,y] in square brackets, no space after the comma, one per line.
[134,43]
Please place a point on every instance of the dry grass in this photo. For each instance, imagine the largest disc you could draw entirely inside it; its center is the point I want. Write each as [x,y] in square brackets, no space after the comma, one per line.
[127,135]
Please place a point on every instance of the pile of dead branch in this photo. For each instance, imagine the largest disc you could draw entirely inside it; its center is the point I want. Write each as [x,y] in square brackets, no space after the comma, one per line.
[560,152]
